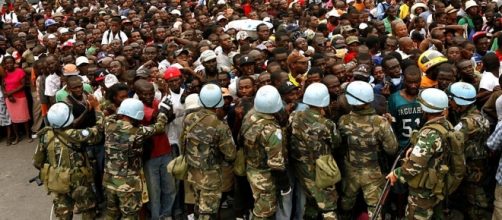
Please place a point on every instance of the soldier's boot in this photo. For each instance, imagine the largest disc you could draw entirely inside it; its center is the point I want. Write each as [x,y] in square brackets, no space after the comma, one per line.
[331,215]
[89,214]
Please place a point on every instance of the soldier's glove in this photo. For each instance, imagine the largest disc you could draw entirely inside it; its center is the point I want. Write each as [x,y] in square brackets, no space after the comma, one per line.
[166,107]
[282,181]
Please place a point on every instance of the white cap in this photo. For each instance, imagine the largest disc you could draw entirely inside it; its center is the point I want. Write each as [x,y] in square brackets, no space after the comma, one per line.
[51,36]
[220,17]
[192,101]
[241,35]
[176,12]
[470,4]
[333,13]
[110,80]
[207,55]
[76,10]
[63,30]
[81,60]
[221,2]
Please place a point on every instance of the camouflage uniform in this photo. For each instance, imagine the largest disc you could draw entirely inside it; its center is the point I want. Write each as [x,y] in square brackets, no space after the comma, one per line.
[206,141]
[61,148]
[264,152]
[313,135]
[476,129]
[122,177]
[365,133]
[429,146]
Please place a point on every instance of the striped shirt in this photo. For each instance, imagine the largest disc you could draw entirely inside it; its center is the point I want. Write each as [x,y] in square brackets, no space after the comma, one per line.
[494,142]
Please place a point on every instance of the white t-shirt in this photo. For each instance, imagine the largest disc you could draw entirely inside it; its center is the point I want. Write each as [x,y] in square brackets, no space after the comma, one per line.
[498,107]
[488,81]
[9,18]
[52,84]
[174,128]
[109,37]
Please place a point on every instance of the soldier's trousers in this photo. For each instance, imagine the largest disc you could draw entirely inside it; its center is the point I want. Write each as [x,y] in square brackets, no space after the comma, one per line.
[477,201]
[420,209]
[207,203]
[497,204]
[264,194]
[123,205]
[323,199]
[80,198]
[370,180]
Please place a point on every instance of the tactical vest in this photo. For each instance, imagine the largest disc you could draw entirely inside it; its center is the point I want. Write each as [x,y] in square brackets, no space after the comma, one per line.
[479,129]
[445,171]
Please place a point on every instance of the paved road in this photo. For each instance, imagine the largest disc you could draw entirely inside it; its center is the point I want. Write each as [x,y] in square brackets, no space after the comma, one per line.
[20,200]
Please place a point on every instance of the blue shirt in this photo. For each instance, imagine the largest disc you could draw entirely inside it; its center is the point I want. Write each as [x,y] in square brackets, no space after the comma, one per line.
[494,142]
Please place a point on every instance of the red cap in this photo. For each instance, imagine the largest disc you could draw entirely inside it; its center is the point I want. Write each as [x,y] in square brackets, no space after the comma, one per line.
[171,72]
[478,35]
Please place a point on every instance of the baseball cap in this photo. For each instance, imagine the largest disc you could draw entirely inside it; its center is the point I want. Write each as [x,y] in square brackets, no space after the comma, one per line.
[295,56]
[70,70]
[286,87]
[242,35]
[100,74]
[346,29]
[352,39]
[176,12]
[171,72]
[207,55]
[333,13]
[246,59]
[63,30]
[81,60]
[50,22]
[478,35]
[143,72]
[180,51]
[192,101]
[67,44]
[450,9]
[57,14]
[110,80]
[221,17]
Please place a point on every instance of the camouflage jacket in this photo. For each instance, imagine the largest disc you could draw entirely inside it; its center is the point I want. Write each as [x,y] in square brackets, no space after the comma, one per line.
[62,147]
[311,135]
[476,129]
[207,143]
[429,146]
[366,133]
[123,151]
[263,143]
[206,140]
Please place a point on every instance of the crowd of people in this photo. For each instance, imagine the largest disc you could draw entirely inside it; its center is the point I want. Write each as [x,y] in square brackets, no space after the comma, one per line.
[267,109]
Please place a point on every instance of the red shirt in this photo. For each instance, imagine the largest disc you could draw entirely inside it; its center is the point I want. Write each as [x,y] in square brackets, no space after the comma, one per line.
[499,55]
[13,80]
[160,141]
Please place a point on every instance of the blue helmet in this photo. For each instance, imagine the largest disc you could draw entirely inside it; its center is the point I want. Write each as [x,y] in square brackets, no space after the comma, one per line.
[59,115]
[132,108]
[268,100]
[462,93]
[433,100]
[359,93]
[210,96]
[316,94]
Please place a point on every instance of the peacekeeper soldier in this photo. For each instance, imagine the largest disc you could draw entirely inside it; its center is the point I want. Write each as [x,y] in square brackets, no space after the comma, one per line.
[313,135]
[207,142]
[476,129]
[124,137]
[264,153]
[365,133]
[63,163]
[425,168]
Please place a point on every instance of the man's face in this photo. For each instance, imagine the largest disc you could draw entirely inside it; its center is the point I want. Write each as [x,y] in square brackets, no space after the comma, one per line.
[174,84]
[76,88]
[392,68]
[482,45]
[160,34]
[300,67]
[115,26]
[401,30]
[115,68]
[466,69]
[223,80]
[340,72]
[146,95]
[282,59]
[390,45]
[291,97]
[211,66]
[246,88]
[128,52]
[247,69]
[444,80]
[263,32]
[412,84]
[226,42]
[334,87]
[150,53]
[453,54]
[264,79]
[52,64]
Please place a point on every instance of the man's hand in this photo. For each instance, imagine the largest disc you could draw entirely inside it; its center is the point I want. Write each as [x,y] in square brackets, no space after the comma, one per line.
[166,107]
[408,152]
[392,178]
[93,102]
[385,90]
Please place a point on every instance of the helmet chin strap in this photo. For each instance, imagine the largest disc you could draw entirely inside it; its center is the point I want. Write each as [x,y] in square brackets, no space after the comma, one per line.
[353,96]
[214,106]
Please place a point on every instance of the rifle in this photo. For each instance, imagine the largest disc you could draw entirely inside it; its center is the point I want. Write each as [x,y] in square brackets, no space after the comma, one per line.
[386,189]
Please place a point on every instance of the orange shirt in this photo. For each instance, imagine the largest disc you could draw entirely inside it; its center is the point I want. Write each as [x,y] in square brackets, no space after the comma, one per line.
[359,6]
[427,83]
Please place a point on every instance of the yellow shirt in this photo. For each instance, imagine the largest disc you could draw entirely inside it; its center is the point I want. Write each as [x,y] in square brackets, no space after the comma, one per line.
[293,80]
[404,11]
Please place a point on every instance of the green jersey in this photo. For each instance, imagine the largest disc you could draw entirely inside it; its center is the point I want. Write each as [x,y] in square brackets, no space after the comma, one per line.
[408,115]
